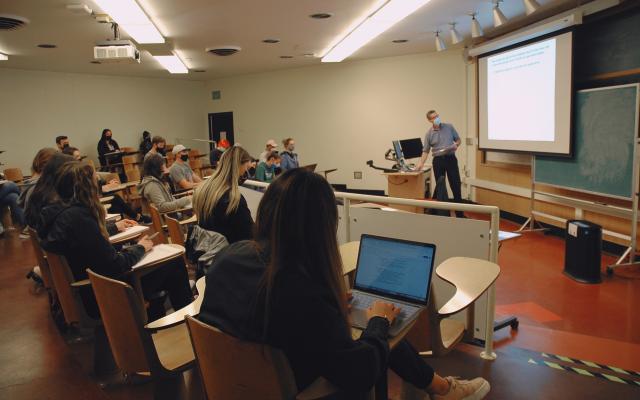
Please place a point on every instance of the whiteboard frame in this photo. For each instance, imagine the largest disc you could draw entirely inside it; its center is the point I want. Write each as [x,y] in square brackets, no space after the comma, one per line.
[634,178]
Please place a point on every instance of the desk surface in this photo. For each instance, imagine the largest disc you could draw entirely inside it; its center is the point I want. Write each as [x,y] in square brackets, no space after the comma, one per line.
[128,234]
[158,255]
[406,173]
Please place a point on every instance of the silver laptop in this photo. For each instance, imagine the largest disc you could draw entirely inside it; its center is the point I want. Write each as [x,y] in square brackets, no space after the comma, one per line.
[395,271]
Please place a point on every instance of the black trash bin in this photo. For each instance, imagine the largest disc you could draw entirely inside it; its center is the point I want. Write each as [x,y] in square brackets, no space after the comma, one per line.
[583,251]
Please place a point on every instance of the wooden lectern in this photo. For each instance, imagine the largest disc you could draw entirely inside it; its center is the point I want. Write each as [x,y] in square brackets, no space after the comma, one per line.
[407,185]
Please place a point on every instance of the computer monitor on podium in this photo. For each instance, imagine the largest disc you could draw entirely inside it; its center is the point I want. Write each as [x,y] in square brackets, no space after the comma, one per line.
[411,148]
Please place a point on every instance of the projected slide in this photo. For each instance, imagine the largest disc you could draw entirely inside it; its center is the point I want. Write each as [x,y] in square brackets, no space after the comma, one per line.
[525,97]
[526,74]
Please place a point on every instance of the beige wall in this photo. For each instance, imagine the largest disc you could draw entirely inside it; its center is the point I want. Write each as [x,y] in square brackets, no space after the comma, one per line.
[342,115]
[36,106]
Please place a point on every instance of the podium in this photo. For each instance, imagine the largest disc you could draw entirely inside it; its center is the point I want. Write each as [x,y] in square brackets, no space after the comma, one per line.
[406,185]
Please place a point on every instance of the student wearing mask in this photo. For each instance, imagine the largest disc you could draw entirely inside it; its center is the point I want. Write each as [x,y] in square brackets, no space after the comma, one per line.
[108,145]
[155,190]
[158,146]
[62,142]
[145,144]
[269,148]
[180,172]
[289,159]
[293,268]
[218,203]
[266,170]
[74,226]
[444,140]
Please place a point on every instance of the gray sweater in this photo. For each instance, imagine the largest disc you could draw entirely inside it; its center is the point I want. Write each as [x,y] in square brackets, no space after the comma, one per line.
[157,194]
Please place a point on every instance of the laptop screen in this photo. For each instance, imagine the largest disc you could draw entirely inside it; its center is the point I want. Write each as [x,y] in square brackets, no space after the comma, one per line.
[395,268]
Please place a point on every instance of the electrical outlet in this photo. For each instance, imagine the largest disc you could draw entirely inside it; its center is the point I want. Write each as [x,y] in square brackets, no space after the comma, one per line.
[357,174]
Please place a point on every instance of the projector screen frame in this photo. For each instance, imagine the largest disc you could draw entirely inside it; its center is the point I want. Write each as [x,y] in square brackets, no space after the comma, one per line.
[572,30]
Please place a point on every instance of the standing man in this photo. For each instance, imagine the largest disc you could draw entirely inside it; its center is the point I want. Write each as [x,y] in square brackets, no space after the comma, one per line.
[270,146]
[289,159]
[62,142]
[444,140]
[180,172]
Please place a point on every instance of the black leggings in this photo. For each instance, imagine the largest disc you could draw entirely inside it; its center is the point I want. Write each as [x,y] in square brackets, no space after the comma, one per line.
[119,206]
[405,361]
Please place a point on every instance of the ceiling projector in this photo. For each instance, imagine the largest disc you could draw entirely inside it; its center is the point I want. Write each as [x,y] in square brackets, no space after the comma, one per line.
[116,51]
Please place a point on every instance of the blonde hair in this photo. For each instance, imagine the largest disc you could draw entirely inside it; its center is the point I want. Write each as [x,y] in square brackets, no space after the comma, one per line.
[223,180]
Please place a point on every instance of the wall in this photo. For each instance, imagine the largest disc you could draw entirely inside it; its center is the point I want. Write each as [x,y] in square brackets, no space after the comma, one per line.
[37,106]
[342,115]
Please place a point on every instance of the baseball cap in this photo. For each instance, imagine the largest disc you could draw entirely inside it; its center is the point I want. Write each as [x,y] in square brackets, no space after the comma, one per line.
[272,143]
[178,148]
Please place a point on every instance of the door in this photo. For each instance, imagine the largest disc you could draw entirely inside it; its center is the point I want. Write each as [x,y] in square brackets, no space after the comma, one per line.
[221,127]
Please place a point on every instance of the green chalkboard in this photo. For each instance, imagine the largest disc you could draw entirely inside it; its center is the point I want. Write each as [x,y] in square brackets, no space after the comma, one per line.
[605,131]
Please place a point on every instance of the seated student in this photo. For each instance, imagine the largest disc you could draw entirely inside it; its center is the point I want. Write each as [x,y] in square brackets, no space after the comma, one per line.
[266,170]
[158,145]
[218,203]
[74,226]
[269,148]
[9,195]
[62,142]
[289,159]
[145,144]
[154,189]
[216,153]
[118,205]
[37,166]
[286,289]
[180,172]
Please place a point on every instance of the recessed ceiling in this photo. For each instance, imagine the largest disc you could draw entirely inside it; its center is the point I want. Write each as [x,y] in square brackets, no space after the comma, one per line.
[192,26]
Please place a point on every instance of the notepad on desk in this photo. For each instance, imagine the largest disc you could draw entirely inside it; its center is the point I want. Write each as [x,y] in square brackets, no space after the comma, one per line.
[132,231]
[159,253]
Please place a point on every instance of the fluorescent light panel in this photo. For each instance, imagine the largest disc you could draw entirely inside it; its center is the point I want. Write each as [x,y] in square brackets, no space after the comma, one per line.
[370,27]
[130,17]
[3,57]
[172,64]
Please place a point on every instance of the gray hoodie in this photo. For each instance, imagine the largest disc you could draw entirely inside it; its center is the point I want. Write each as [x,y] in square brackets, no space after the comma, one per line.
[157,194]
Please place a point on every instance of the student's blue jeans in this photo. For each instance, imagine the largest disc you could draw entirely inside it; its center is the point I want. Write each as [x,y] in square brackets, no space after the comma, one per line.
[9,193]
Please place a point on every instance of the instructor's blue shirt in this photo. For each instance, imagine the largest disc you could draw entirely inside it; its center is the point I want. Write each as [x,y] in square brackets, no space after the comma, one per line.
[440,139]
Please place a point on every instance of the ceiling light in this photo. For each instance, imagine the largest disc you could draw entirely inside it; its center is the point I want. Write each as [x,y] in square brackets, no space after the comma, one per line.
[384,16]
[3,57]
[455,35]
[131,18]
[172,64]
[476,29]
[498,16]
[531,6]
[439,42]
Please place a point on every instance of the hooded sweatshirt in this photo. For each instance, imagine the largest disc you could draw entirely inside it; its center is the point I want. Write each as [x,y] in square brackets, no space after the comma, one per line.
[156,193]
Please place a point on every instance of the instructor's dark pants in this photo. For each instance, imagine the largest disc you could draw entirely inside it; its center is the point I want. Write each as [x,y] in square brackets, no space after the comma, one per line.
[448,164]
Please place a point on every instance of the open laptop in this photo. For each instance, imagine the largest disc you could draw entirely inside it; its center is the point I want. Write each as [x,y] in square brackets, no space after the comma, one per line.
[395,271]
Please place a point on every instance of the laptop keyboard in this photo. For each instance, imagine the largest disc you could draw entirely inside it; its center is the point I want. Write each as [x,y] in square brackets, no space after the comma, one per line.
[363,302]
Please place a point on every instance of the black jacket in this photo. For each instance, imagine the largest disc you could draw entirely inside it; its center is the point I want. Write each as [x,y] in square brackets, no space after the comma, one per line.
[103,149]
[304,322]
[236,226]
[71,231]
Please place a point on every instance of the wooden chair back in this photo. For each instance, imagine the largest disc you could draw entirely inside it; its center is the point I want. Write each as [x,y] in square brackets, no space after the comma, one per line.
[156,221]
[123,317]
[42,259]
[69,299]
[233,369]
[175,230]
[13,174]
[126,149]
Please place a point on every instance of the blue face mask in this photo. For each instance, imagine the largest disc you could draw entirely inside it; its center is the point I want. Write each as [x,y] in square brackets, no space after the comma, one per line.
[437,121]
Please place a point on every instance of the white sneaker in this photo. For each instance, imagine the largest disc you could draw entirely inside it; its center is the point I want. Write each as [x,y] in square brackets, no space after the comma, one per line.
[459,389]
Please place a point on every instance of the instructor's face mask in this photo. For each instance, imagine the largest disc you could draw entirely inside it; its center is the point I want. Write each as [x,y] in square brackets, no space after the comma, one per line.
[437,121]
[184,157]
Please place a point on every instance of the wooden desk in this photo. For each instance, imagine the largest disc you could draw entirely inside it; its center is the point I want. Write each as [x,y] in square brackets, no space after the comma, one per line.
[406,185]
[128,234]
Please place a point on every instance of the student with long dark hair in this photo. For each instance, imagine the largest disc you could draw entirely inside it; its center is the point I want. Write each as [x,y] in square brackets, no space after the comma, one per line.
[286,289]
[155,190]
[107,144]
[74,226]
[218,203]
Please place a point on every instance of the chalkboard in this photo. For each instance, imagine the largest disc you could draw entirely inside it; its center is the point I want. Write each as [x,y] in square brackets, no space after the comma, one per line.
[605,131]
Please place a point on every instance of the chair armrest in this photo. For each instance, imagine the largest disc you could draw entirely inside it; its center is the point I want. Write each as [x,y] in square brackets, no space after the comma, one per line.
[471,277]
[190,220]
[185,193]
[84,282]
[177,317]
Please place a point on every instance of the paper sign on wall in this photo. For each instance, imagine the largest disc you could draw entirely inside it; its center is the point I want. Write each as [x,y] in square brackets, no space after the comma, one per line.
[572,229]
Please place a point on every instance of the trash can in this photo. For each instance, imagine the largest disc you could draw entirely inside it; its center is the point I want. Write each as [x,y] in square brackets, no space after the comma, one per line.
[583,251]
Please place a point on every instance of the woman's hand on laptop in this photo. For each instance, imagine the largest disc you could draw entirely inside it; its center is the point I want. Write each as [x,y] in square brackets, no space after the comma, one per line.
[349,298]
[384,310]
